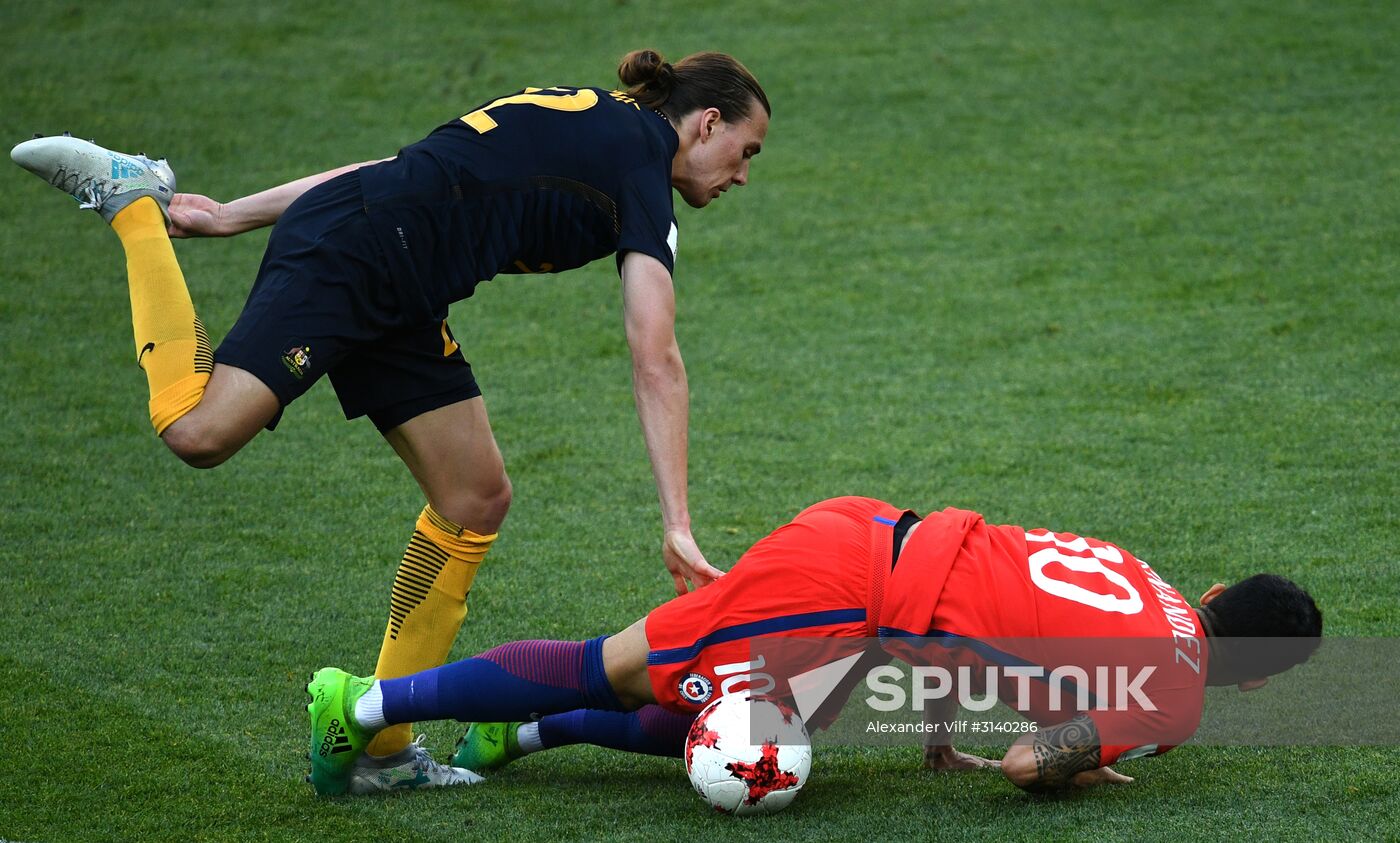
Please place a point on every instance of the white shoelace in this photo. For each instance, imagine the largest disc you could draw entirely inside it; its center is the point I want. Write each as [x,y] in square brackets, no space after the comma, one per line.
[425,760]
[94,197]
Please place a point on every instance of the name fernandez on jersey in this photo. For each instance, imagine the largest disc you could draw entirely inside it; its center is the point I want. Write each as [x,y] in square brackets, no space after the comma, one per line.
[1180,617]
[539,181]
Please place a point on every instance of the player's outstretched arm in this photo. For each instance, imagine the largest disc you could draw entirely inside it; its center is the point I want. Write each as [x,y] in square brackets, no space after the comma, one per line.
[663,406]
[193,215]
[1059,756]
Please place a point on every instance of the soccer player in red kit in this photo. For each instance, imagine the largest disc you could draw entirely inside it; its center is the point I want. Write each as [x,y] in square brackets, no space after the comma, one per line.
[858,568]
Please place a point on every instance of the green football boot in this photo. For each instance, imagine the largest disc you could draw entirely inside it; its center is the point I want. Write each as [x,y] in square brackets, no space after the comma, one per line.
[336,740]
[488,746]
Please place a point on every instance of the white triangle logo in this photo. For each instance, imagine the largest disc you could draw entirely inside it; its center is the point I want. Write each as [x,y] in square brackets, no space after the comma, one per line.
[810,689]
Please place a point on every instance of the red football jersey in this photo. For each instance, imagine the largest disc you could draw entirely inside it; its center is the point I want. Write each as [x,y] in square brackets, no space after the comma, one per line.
[1082,624]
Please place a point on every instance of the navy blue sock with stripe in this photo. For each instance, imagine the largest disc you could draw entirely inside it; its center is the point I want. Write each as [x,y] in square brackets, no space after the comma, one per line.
[650,730]
[512,682]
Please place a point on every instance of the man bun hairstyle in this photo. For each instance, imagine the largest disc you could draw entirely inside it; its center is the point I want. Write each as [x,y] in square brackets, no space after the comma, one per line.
[1261,626]
[701,80]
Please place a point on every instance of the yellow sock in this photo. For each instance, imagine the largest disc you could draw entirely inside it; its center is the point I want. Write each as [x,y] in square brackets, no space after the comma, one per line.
[428,606]
[171,345]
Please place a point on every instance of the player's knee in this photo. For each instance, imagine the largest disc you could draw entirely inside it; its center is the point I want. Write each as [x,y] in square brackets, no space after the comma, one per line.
[197,444]
[1018,765]
[491,499]
[631,685]
[480,504]
[631,700]
[499,495]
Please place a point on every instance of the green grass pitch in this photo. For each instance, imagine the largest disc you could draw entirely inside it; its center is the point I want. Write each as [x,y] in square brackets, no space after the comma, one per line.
[1126,269]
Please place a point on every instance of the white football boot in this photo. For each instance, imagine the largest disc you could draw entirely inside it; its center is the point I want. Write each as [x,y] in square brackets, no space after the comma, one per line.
[410,768]
[100,179]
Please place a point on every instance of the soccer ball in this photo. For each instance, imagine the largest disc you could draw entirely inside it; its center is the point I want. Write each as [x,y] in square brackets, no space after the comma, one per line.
[748,755]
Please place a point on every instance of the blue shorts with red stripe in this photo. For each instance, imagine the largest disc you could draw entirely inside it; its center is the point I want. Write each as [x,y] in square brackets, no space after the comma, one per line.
[821,577]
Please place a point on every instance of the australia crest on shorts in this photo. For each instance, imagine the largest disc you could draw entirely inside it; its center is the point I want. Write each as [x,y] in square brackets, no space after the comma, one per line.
[297,359]
[696,688]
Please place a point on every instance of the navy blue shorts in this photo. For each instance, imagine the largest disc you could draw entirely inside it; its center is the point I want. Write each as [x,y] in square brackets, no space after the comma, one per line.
[324,304]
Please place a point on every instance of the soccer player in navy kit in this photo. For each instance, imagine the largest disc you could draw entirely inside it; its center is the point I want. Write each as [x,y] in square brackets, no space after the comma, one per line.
[356,283]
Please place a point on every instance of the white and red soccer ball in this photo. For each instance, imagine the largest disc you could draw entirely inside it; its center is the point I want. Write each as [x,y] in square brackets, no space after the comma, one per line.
[748,755]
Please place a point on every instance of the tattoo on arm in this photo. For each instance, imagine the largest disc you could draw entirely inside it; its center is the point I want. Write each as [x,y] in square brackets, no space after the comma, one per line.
[1063,750]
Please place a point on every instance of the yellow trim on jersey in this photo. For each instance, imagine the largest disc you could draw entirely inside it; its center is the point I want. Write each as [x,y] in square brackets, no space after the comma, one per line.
[449,345]
[621,97]
[580,100]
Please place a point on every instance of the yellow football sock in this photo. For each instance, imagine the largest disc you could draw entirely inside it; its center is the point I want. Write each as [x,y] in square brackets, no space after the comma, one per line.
[428,606]
[171,345]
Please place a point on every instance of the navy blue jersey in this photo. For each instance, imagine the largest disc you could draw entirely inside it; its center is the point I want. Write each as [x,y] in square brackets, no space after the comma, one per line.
[540,181]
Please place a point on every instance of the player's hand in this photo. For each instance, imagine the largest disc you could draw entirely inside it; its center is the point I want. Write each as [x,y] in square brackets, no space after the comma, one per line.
[1103,775]
[193,215]
[947,759]
[685,561]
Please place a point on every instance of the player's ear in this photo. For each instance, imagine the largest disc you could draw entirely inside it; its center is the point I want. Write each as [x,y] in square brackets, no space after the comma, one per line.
[709,122]
[1253,684]
[1212,593]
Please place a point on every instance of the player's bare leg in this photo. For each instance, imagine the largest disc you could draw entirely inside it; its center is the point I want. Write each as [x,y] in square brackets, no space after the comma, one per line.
[453,456]
[234,408]
[452,453]
[625,660]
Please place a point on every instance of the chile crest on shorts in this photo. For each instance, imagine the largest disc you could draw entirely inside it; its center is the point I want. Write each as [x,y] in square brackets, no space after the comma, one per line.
[696,688]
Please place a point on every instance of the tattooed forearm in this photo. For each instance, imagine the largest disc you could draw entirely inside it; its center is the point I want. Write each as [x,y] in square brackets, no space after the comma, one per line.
[1066,749]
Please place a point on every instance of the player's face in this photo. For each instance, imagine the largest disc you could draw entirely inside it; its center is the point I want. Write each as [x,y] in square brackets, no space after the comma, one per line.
[719,154]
